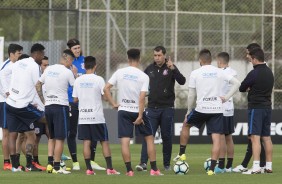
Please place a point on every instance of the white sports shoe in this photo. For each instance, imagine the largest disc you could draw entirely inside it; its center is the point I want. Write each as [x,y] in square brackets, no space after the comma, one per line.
[251,171]
[61,171]
[96,166]
[240,168]
[75,166]
[229,170]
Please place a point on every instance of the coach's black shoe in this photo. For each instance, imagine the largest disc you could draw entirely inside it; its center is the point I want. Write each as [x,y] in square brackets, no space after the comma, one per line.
[141,167]
[32,168]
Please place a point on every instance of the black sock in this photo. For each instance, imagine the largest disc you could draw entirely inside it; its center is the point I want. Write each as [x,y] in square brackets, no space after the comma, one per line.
[51,160]
[229,163]
[213,164]
[109,162]
[28,160]
[93,150]
[6,161]
[18,158]
[57,166]
[128,166]
[248,155]
[74,157]
[15,163]
[35,159]
[262,156]
[221,163]
[154,165]
[88,164]
[182,149]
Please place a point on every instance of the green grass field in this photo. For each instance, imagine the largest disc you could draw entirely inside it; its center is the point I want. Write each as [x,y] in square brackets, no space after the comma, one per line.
[197,154]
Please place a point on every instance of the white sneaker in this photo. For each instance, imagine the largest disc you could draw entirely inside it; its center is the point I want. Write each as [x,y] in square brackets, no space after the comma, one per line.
[96,166]
[229,170]
[262,170]
[75,166]
[240,168]
[251,171]
[61,171]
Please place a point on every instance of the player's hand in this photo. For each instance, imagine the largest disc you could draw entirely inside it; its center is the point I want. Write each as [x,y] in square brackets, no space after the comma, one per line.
[223,99]
[138,121]
[169,64]
[115,106]
[74,70]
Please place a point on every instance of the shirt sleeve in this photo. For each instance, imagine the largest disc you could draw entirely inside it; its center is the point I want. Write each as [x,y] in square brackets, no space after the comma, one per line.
[192,80]
[102,85]
[5,73]
[35,73]
[248,82]
[74,91]
[42,77]
[145,86]
[113,79]
[71,78]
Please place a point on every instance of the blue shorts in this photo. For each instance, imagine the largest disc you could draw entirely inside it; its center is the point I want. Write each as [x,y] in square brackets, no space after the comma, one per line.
[39,128]
[93,132]
[126,126]
[3,115]
[214,122]
[57,117]
[228,125]
[259,121]
[22,119]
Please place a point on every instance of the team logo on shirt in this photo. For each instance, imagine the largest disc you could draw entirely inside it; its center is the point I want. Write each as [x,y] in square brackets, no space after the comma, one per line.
[86,110]
[31,126]
[127,101]
[165,72]
[210,99]
[37,130]
[210,75]
[130,77]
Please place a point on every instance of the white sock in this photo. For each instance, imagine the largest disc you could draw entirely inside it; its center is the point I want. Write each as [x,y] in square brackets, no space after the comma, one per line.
[256,165]
[268,165]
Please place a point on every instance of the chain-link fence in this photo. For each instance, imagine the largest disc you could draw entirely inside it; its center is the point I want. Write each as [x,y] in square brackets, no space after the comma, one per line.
[107,28]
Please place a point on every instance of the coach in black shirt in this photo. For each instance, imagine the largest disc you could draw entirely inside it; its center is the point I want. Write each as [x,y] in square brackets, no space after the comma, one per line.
[259,84]
[163,74]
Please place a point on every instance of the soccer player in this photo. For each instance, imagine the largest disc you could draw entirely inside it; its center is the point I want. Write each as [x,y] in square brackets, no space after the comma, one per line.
[163,74]
[259,84]
[243,167]
[56,79]
[21,114]
[133,85]
[205,87]
[78,70]
[91,122]
[227,145]
[14,52]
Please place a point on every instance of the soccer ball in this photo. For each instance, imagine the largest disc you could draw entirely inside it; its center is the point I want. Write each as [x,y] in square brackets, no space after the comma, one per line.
[181,168]
[207,164]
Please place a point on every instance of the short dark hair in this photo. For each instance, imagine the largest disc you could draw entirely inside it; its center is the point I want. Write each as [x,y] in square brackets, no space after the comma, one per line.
[13,48]
[45,58]
[257,53]
[224,56]
[89,62]
[160,48]
[252,46]
[133,54]
[72,42]
[23,56]
[205,56]
[68,52]
[37,47]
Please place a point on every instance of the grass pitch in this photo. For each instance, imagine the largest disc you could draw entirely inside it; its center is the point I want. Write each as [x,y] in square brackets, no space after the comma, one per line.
[196,155]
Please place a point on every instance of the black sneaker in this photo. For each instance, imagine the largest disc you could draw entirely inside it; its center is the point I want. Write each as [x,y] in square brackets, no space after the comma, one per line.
[167,168]
[32,168]
[141,167]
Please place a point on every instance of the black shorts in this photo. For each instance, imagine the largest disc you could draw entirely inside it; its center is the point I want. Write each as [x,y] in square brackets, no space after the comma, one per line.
[57,117]
[228,125]
[93,132]
[126,126]
[22,119]
[39,128]
[3,115]
[214,122]
[259,121]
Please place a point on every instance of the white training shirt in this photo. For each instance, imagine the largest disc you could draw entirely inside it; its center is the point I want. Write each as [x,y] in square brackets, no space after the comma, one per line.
[88,88]
[5,80]
[208,81]
[25,74]
[228,106]
[56,79]
[130,82]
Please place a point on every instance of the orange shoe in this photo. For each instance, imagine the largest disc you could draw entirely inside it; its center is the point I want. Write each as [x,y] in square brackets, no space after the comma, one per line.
[38,166]
[7,166]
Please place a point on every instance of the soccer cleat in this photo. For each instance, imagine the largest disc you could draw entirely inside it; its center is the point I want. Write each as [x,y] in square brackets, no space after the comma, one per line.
[89,172]
[141,167]
[112,172]
[32,168]
[7,166]
[75,166]
[210,173]
[180,157]
[268,171]
[65,157]
[49,168]
[252,171]
[218,170]
[240,168]
[19,169]
[61,171]
[38,166]
[130,173]
[167,168]
[229,170]
[96,166]
[156,173]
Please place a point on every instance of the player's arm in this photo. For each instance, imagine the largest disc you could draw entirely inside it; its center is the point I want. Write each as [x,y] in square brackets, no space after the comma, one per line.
[75,99]
[248,82]
[234,88]
[108,95]
[139,119]
[39,91]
